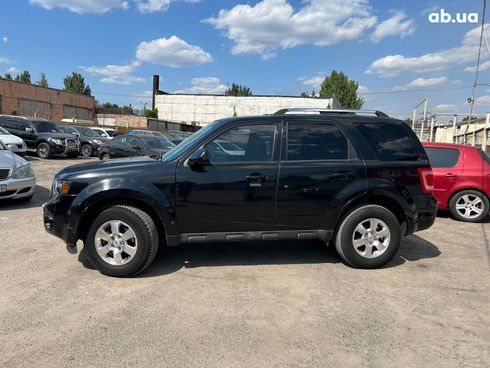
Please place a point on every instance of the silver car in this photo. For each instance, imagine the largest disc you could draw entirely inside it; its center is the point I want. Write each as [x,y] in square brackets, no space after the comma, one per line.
[17,179]
[14,143]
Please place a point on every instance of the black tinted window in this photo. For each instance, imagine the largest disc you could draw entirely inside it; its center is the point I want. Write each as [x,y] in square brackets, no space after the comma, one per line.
[442,157]
[390,142]
[316,141]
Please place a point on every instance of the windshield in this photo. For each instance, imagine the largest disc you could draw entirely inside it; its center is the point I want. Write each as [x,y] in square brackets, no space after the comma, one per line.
[2,147]
[189,142]
[111,133]
[158,143]
[3,131]
[68,130]
[88,132]
[46,127]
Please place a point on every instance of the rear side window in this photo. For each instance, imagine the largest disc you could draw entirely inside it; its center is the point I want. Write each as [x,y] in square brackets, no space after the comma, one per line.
[316,141]
[389,141]
[442,157]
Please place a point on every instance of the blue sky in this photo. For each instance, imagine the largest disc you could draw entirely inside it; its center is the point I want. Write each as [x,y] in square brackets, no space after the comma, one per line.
[274,46]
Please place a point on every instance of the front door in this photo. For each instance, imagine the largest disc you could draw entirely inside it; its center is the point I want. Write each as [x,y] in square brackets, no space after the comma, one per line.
[236,191]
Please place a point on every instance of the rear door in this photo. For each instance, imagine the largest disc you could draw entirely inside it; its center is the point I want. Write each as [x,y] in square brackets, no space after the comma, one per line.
[447,166]
[318,164]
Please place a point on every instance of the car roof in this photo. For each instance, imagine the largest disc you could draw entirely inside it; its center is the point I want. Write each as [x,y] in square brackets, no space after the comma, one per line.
[449,145]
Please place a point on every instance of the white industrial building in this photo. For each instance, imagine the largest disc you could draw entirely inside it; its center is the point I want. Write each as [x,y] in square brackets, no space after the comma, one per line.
[204,109]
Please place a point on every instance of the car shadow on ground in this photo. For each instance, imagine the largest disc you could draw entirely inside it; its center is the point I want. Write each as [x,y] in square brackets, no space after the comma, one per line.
[41,195]
[172,259]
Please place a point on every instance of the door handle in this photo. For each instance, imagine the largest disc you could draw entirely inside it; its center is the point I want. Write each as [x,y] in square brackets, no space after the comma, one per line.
[256,180]
[344,175]
[449,175]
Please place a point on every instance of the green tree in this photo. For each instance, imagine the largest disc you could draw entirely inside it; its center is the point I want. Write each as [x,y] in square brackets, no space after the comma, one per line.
[149,113]
[76,83]
[8,76]
[343,88]
[43,82]
[25,77]
[238,90]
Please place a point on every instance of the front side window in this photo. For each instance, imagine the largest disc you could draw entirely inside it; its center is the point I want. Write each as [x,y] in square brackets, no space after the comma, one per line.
[316,141]
[251,143]
[47,127]
[442,157]
[389,141]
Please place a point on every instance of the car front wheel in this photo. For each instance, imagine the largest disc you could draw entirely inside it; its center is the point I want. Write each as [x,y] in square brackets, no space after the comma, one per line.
[122,241]
[469,206]
[43,150]
[368,237]
[87,150]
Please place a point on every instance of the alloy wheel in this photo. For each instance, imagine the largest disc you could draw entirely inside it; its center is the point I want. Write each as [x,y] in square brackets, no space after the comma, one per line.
[371,238]
[116,243]
[470,206]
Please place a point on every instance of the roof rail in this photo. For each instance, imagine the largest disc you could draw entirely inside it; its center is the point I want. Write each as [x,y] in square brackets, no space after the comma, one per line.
[322,111]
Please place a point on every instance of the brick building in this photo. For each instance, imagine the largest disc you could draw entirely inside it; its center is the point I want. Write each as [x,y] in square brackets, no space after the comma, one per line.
[24,99]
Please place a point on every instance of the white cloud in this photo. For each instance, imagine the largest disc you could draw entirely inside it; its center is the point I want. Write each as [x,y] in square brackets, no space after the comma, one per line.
[313,82]
[396,25]
[4,60]
[393,65]
[274,24]
[5,39]
[172,52]
[115,74]
[206,85]
[483,66]
[83,6]
[421,83]
[483,100]
[151,6]
[12,70]
[446,108]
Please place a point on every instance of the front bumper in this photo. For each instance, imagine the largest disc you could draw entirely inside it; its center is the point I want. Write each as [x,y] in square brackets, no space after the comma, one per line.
[18,188]
[56,215]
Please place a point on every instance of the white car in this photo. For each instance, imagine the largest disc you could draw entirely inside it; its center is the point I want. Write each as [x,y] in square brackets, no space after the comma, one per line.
[13,143]
[17,179]
[104,132]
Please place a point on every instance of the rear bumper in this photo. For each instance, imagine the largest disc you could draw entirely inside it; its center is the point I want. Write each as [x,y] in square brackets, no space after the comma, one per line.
[425,215]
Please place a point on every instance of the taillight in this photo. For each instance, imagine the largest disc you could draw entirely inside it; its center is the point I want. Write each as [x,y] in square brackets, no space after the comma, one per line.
[427,179]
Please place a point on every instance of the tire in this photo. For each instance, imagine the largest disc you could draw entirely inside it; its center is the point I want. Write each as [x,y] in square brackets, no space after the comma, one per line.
[141,248]
[469,206]
[43,150]
[368,249]
[105,157]
[87,150]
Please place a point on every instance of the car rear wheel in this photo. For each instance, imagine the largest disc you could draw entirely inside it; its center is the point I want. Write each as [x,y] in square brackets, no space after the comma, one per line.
[469,206]
[43,150]
[87,150]
[368,237]
[122,241]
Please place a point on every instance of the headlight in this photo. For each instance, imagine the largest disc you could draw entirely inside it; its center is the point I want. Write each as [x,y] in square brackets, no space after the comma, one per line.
[97,142]
[23,172]
[12,146]
[59,142]
[59,187]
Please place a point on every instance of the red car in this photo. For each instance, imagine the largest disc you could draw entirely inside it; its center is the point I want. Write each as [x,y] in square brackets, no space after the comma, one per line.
[461,179]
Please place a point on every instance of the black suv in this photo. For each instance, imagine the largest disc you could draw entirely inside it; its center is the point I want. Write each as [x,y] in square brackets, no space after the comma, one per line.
[90,141]
[41,136]
[358,180]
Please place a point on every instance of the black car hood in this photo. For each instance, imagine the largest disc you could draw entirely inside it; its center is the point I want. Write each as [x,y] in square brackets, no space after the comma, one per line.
[114,168]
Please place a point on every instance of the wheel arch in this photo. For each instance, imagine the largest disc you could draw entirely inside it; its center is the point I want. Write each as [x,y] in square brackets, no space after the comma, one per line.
[385,201]
[97,207]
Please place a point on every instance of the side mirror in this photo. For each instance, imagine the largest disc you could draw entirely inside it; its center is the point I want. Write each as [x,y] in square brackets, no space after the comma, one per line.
[29,130]
[137,148]
[76,134]
[199,159]
[103,135]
